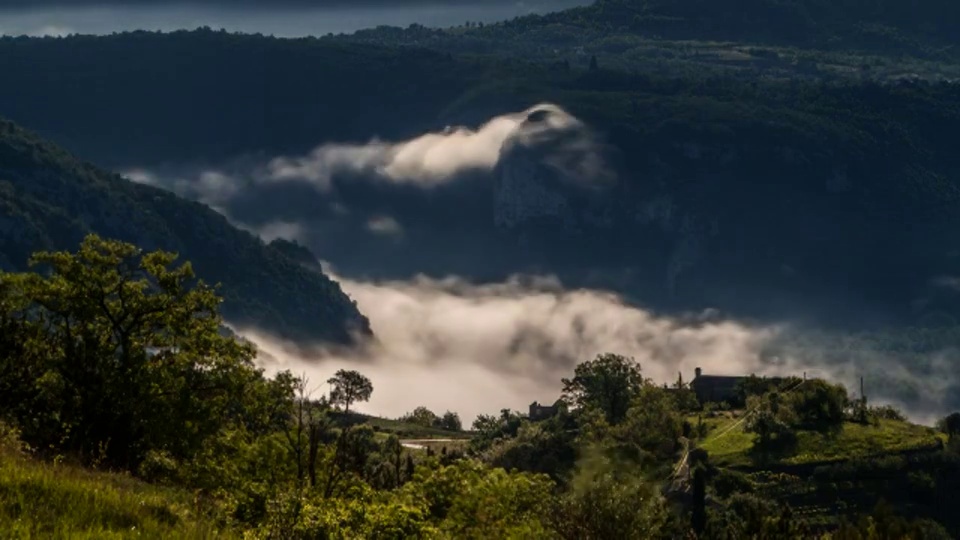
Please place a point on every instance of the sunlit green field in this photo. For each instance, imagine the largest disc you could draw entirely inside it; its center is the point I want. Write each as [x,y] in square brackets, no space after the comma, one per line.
[730,446]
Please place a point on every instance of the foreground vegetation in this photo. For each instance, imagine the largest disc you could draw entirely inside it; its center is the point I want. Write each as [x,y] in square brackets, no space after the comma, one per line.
[114,361]
[59,500]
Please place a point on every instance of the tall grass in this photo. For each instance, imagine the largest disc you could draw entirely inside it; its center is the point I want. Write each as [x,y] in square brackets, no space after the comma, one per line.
[48,501]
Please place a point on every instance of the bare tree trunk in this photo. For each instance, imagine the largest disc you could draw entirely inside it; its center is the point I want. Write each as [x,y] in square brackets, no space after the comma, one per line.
[314,449]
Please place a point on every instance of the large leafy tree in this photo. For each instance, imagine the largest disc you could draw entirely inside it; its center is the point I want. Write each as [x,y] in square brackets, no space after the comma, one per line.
[772,422]
[652,426]
[818,405]
[121,353]
[349,387]
[607,383]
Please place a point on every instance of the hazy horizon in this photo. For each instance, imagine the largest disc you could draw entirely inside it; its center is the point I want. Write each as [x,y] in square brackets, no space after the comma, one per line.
[290,20]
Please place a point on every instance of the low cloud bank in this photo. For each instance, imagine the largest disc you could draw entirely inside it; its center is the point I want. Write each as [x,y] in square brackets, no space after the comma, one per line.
[558,139]
[475,349]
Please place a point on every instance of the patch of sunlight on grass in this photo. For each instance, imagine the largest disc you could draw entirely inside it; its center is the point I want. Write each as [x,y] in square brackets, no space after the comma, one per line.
[40,500]
[730,446]
[726,441]
[858,440]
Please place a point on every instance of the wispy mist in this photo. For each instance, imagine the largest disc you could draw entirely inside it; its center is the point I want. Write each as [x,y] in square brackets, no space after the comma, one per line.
[476,349]
[562,141]
[554,137]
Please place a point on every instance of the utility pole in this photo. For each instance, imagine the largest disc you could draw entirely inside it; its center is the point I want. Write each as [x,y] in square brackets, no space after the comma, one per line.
[863,403]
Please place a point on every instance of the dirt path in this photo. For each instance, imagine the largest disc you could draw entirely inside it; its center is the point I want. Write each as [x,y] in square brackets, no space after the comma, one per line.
[421,444]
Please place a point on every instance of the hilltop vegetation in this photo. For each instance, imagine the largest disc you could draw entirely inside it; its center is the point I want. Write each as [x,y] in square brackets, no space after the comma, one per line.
[50,200]
[810,39]
[843,24]
[115,362]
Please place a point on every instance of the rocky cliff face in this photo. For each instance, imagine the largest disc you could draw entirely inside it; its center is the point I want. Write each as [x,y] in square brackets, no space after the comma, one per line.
[676,217]
[551,171]
[530,191]
[525,190]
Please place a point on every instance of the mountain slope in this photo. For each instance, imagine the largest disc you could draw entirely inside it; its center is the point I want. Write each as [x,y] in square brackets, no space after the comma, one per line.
[221,94]
[764,198]
[50,200]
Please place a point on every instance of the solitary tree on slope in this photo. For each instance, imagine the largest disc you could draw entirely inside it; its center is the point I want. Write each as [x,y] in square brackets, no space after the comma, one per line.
[349,387]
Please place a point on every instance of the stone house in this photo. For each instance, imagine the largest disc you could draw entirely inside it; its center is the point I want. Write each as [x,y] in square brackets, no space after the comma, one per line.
[715,388]
[541,412]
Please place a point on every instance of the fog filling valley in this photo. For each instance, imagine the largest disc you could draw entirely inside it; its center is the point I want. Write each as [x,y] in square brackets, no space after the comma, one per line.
[475,349]
[453,344]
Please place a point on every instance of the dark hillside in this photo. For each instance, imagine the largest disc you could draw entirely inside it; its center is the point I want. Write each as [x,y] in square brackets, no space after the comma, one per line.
[50,200]
[204,95]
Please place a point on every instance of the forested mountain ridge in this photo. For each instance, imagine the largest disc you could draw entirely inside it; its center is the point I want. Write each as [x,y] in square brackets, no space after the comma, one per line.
[773,193]
[870,39]
[204,95]
[927,26]
[50,200]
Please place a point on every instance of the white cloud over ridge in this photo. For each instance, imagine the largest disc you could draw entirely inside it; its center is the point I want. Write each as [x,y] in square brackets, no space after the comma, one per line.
[435,158]
[562,142]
